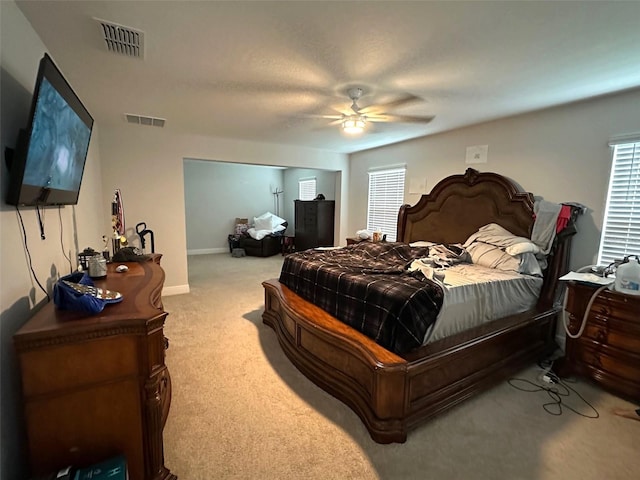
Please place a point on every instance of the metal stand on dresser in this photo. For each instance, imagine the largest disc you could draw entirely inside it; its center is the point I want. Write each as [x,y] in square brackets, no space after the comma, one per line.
[608,351]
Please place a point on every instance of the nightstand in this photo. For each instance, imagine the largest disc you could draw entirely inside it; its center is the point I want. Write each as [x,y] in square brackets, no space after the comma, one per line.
[288,244]
[352,240]
[608,352]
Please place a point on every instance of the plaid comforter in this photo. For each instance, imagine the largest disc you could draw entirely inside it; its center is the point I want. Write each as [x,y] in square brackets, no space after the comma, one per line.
[368,286]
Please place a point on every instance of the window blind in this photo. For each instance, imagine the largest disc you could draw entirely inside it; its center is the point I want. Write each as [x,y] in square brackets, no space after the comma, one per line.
[621,225]
[386,196]
[307,189]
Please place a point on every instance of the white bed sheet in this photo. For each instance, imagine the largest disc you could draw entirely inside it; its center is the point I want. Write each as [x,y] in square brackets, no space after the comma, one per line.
[475,295]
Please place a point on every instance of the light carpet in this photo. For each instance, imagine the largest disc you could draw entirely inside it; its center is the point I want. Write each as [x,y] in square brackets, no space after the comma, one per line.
[241,410]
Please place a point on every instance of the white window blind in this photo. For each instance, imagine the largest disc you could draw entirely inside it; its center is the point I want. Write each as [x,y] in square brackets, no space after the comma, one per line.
[307,189]
[386,196]
[621,226]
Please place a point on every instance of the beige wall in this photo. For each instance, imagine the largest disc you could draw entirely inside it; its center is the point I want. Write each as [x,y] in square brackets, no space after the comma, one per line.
[146,164]
[72,227]
[560,154]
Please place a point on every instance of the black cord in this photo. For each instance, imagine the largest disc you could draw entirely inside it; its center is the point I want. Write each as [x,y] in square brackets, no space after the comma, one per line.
[555,394]
[41,221]
[26,247]
[61,239]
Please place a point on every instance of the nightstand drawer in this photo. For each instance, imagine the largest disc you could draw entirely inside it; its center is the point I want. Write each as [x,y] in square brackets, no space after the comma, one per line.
[607,334]
[623,307]
[609,360]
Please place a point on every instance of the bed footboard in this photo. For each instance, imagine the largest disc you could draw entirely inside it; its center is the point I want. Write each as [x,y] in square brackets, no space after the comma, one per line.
[392,394]
[341,361]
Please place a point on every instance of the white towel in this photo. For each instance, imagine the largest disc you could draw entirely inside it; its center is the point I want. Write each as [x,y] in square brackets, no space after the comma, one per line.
[544,227]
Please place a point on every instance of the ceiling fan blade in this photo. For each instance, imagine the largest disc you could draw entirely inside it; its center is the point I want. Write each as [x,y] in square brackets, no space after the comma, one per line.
[329,117]
[385,117]
[399,102]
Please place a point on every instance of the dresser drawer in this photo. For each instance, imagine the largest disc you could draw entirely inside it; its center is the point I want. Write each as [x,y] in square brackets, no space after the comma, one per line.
[609,360]
[57,369]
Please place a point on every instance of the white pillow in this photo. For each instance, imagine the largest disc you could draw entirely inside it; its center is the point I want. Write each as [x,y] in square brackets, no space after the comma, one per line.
[524,247]
[421,243]
[494,234]
[494,257]
[273,219]
[263,222]
[276,221]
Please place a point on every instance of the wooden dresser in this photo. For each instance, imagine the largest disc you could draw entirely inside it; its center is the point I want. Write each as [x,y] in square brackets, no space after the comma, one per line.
[609,349]
[97,386]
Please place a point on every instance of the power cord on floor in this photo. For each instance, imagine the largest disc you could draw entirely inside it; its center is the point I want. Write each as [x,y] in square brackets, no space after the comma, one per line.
[556,389]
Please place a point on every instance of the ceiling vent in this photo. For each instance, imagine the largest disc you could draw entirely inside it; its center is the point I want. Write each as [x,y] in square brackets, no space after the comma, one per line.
[123,40]
[144,120]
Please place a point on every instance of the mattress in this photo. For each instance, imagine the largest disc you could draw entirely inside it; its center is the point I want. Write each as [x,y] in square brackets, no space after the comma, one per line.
[474,295]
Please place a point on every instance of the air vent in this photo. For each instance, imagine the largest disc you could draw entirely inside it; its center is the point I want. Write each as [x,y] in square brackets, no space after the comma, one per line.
[144,120]
[123,40]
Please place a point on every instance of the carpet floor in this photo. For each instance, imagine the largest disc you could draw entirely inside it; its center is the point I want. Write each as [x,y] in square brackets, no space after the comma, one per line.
[241,410]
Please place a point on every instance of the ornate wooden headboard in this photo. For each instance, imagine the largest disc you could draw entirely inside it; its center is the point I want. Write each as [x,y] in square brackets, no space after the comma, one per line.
[460,204]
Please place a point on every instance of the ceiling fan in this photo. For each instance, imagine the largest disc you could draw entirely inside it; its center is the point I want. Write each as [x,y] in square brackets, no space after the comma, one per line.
[354,121]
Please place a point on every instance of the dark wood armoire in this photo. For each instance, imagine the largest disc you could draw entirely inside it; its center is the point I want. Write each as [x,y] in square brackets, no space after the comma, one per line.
[314,223]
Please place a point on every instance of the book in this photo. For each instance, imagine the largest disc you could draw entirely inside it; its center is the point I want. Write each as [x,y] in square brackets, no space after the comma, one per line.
[114,468]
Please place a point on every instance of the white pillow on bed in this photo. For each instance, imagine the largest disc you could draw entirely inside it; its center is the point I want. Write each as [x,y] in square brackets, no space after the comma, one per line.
[494,234]
[421,243]
[493,256]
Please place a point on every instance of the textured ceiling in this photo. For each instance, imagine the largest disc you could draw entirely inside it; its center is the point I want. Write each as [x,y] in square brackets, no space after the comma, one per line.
[261,70]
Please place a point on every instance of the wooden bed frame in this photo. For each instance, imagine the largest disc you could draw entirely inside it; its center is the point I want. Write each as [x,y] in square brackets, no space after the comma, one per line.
[393,394]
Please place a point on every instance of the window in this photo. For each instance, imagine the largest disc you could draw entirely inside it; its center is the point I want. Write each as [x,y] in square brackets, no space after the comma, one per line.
[307,189]
[621,225]
[386,196]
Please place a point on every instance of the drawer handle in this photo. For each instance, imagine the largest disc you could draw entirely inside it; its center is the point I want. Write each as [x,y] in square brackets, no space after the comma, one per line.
[603,311]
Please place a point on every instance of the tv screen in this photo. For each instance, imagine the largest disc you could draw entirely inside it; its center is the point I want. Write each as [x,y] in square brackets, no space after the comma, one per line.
[50,156]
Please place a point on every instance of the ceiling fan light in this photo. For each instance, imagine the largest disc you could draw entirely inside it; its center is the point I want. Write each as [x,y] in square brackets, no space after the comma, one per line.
[353,124]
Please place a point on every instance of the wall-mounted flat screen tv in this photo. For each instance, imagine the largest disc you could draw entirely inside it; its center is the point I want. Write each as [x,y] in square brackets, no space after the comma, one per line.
[50,155]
